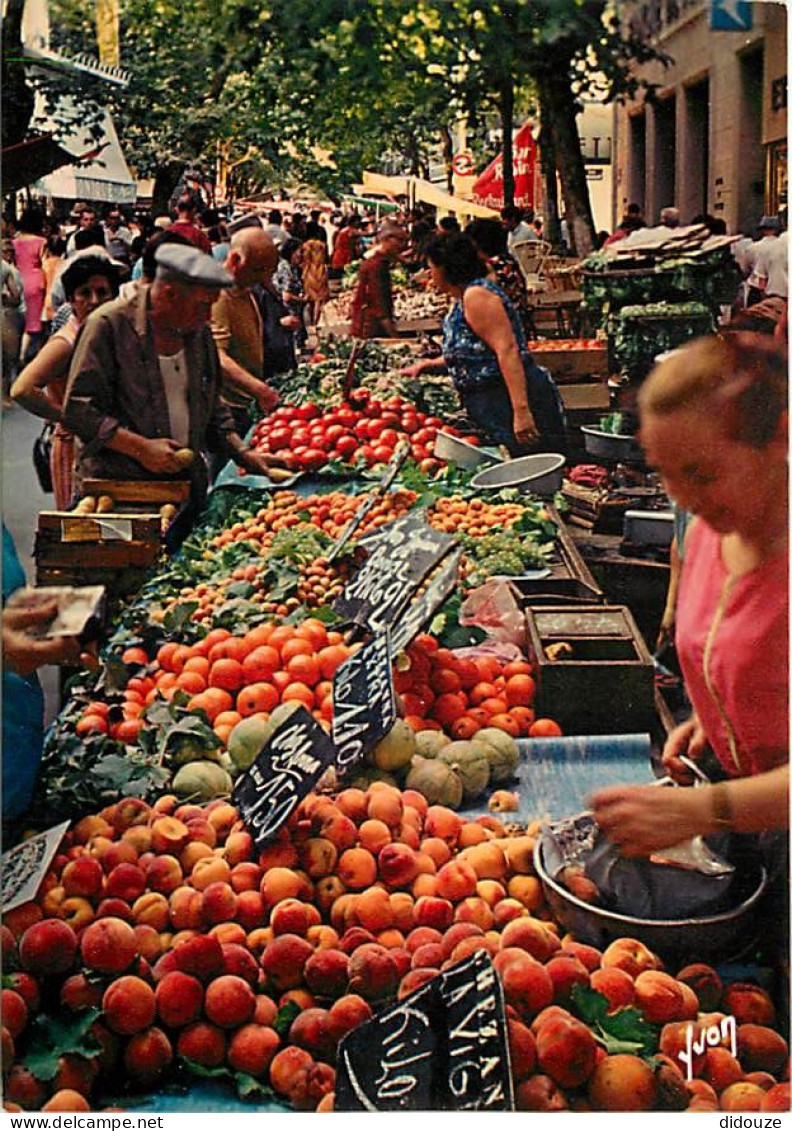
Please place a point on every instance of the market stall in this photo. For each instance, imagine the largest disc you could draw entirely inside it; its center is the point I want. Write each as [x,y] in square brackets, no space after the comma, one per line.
[318,793]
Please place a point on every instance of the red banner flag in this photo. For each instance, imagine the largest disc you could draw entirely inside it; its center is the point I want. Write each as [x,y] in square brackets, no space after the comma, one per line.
[488,189]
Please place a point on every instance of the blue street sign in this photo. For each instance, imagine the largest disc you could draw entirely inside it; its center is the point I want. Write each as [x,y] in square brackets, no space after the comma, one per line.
[731,15]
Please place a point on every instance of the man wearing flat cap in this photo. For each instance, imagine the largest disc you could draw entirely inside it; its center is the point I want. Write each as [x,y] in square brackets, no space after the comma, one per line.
[752,258]
[145,379]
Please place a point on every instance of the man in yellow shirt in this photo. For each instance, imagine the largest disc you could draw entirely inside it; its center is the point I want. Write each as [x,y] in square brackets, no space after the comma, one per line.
[237,326]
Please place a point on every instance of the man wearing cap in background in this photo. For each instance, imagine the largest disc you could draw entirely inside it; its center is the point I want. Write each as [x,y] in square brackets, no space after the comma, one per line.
[237,325]
[751,256]
[144,383]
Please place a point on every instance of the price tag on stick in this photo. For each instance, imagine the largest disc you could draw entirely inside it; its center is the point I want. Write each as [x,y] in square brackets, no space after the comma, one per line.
[426,605]
[364,702]
[400,454]
[401,556]
[286,770]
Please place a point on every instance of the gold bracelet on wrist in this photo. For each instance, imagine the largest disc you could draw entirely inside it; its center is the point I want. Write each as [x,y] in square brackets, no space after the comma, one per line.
[722,815]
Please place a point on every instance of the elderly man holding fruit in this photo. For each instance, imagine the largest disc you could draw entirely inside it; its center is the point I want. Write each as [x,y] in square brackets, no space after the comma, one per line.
[143,394]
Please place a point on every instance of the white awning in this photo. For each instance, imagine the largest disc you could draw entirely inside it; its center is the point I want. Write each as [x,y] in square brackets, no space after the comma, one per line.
[104,179]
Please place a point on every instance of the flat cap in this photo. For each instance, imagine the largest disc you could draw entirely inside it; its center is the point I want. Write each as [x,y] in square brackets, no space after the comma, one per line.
[771,223]
[189,265]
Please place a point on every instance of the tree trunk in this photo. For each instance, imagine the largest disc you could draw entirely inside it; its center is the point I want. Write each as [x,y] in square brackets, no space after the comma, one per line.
[507,126]
[165,183]
[18,101]
[448,155]
[551,225]
[557,100]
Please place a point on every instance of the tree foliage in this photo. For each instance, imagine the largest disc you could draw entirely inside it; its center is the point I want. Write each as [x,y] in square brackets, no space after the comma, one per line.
[315,91]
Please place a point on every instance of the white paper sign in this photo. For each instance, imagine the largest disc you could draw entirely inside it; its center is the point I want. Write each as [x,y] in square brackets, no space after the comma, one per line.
[24,866]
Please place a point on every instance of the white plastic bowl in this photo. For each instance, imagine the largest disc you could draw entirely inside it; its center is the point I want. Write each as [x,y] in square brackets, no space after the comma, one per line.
[460,452]
[541,474]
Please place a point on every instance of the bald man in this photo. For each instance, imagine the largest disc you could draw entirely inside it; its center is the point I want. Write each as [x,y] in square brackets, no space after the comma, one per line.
[237,325]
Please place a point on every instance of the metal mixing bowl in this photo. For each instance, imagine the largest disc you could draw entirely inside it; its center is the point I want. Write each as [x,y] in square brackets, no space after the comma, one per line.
[717,936]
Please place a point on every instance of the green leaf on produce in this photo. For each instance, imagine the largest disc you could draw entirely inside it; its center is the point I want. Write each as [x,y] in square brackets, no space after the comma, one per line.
[206,1073]
[323,613]
[625,1031]
[177,617]
[49,1038]
[249,1088]
[286,1015]
[242,589]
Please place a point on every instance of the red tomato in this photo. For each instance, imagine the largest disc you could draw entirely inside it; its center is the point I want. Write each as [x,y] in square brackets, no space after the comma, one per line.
[300,437]
[382,454]
[346,446]
[280,438]
[395,403]
[313,458]
[409,424]
[390,419]
[359,396]
[334,433]
[361,429]
[373,408]
[375,429]
[367,452]
[308,411]
[389,437]
[347,416]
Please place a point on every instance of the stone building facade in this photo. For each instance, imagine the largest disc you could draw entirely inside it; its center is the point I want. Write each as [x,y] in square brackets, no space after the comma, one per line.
[715,139]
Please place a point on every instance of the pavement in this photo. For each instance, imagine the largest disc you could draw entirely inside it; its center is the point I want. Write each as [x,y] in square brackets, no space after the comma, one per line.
[22,499]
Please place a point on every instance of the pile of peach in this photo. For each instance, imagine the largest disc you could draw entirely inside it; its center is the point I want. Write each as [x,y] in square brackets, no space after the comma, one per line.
[190,943]
[330,513]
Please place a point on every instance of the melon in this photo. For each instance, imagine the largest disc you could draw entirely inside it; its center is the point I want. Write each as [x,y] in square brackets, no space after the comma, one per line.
[439,783]
[502,752]
[396,749]
[202,781]
[247,740]
[429,743]
[363,775]
[471,762]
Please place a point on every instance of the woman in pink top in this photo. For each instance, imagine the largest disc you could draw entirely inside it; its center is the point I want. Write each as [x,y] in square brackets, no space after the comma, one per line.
[714,423]
[29,246]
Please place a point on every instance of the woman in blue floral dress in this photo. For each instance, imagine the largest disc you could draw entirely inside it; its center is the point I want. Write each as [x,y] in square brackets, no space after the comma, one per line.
[511,398]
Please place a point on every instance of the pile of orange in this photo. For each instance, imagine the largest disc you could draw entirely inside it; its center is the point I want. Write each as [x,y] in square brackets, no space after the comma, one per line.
[229,677]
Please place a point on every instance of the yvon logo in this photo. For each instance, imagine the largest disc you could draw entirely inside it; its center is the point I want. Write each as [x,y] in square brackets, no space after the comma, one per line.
[710,1037]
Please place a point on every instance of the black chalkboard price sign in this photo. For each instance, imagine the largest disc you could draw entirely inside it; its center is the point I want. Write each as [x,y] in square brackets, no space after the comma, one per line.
[423,608]
[390,1062]
[442,1048]
[364,702]
[286,770]
[400,557]
[479,1069]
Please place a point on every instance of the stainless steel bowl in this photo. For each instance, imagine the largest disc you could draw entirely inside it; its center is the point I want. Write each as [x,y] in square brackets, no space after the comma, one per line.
[460,452]
[717,936]
[541,474]
[611,446]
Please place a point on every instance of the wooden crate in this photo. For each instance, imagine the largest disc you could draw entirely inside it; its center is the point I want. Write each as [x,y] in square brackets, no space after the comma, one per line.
[606,686]
[570,365]
[114,550]
[144,493]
